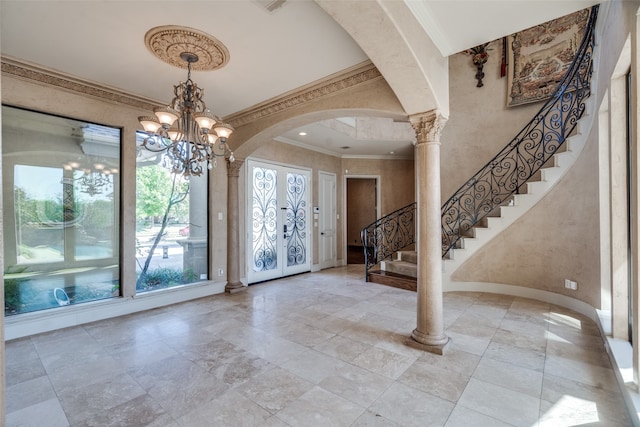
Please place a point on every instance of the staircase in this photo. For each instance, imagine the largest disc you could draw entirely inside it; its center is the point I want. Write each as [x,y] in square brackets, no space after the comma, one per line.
[533,191]
[401,270]
[503,190]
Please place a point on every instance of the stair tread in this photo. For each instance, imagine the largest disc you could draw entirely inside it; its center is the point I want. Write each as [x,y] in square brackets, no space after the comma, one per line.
[400,262]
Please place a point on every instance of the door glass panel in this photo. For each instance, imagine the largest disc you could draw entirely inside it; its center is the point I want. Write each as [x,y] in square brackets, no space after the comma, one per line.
[264,219]
[296,219]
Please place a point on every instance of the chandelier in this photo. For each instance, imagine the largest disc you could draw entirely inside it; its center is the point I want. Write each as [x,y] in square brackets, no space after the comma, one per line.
[190,136]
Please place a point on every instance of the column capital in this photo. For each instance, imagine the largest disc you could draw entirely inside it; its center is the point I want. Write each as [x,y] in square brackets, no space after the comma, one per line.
[233,168]
[428,126]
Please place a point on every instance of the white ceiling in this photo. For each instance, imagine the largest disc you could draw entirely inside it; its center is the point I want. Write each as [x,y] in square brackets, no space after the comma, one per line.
[103,41]
[456,25]
[270,52]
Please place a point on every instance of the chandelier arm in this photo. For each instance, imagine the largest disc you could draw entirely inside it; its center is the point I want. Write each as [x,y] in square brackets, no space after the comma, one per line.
[156,143]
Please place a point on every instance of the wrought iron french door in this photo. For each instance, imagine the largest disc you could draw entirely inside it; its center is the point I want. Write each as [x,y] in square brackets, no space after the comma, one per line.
[278,221]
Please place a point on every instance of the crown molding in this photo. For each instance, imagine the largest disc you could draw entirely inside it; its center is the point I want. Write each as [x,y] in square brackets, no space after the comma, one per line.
[375,157]
[299,144]
[348,78]
[45,76]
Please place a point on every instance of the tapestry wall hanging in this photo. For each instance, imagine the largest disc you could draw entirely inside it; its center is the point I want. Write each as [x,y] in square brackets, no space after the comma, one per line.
[539,57]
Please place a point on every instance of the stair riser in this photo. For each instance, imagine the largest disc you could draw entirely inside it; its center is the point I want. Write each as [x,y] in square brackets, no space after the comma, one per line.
[395,282]
[408,256]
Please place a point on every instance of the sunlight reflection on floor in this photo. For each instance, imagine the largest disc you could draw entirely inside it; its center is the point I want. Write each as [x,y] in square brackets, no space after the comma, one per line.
[569,411]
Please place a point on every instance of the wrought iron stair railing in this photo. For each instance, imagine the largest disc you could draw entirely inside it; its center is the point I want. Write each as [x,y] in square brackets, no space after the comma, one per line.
[502,176]
[382,238]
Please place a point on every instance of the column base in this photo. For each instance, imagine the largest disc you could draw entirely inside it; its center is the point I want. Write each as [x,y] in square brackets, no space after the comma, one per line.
[426,343]
[232,288]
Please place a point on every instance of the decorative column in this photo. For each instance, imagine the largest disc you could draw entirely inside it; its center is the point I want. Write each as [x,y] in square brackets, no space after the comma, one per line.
[429,333]
[233,229]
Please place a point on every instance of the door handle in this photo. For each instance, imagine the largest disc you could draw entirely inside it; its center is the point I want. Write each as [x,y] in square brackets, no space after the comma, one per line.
[322,234]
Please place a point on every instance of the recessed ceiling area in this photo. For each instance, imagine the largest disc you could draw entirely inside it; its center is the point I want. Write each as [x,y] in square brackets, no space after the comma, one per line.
[372,137]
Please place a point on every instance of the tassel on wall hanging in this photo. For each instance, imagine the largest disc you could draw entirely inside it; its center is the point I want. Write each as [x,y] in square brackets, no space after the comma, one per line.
[479,55]
[503,64]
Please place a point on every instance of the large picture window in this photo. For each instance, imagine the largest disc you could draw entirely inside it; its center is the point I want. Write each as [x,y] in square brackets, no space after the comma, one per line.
[171,224]
[61,204]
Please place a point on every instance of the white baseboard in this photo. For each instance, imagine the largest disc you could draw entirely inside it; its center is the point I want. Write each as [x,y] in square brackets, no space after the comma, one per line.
[619,351]
[520,291]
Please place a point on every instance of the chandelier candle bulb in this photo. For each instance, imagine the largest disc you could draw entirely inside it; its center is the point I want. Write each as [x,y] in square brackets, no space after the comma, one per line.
[166,115]
[175,134]
[223,131]
[205,120]
[150,124]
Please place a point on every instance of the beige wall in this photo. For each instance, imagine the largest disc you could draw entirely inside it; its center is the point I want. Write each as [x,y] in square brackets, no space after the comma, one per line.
[479,124]
[397,180]
[49,99]
[559,238]
[371,97]
[325,100]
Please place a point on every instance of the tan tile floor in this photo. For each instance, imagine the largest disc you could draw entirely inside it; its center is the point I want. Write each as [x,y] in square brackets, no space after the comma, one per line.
[318,349]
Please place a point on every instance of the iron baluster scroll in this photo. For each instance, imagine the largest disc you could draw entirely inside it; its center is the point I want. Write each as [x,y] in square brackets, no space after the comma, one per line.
[389,234]
[525,155]
[502,176]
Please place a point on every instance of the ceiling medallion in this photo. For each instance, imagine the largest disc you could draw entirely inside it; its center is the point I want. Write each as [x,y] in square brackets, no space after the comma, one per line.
[168,42]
